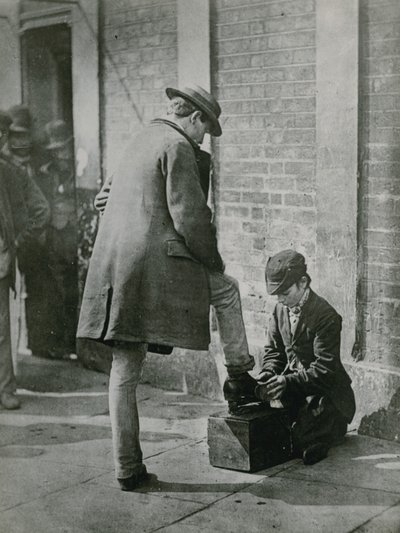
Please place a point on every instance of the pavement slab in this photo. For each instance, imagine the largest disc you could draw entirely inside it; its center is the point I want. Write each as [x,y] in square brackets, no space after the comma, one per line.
[29,477]
[90,453]
[57,473]
[185,473]
[277,504]
[361,462]
[386,522]
[94,508]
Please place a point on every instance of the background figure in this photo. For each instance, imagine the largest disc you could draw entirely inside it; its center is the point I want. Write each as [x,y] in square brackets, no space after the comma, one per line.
[32,257]
[57,180]
[8,384]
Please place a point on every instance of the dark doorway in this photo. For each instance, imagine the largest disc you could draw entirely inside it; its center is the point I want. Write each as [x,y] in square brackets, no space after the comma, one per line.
[51,277]
[47,75]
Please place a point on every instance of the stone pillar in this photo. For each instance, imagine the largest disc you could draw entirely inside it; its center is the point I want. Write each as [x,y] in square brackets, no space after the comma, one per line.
[194,42]
[337,144]
[10,57]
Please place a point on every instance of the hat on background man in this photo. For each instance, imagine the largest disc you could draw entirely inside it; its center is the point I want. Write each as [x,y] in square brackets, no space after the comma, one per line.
[204,101]
[283,269]
[21,119]
[20,137]
[58,134]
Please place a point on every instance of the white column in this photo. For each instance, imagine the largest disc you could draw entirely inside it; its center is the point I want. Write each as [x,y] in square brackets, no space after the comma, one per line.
[10,57]
[337,41]
[194,42]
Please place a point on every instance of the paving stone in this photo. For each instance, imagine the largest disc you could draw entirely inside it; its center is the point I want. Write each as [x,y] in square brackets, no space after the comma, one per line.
[387,522]
[91,453]
[277,504]
[360,462]
[185,473]
[92,403]
[95,508]
[28,477]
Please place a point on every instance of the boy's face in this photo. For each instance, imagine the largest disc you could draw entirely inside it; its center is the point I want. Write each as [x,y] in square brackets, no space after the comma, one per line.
[292,296]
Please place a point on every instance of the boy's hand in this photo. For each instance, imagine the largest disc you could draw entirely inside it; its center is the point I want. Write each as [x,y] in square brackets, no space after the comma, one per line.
[276,386]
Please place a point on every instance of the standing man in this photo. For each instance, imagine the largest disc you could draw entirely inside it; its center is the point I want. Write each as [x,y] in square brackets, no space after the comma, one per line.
[301,365]
[57,180]
[32,259]
[156,268]
[8,384]
[23,217]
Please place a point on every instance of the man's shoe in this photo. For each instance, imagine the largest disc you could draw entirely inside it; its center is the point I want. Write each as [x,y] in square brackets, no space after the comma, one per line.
[239,390]
[315,453]
[134,481]
[10,401]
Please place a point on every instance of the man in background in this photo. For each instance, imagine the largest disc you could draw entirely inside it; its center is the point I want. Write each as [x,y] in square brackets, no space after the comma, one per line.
[23,216]
[57,180]
[32,260]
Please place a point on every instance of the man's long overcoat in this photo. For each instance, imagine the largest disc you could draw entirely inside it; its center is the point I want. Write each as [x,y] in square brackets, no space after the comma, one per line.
[147,279]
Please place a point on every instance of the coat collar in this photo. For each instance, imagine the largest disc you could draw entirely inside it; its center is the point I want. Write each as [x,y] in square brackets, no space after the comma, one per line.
[306,313]
[178,129]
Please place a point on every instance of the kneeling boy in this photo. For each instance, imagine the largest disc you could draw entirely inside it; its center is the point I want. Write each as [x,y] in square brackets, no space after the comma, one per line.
[301,365]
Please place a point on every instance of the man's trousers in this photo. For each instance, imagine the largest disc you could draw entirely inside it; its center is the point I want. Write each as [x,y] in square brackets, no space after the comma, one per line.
[128,359]
[7,377]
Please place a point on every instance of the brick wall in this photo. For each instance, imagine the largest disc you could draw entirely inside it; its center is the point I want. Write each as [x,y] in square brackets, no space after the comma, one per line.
[264,75]
[139,60]
[380,180]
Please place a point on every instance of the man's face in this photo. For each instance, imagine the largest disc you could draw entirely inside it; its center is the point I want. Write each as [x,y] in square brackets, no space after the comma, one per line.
[292,296]
[63,157]
[196,129]
[20,144]
[63,153]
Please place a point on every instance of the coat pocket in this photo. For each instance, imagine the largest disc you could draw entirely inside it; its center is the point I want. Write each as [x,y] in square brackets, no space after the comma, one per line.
[177,248]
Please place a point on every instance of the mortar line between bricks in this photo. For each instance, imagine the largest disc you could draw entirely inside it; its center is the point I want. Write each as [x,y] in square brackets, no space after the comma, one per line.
[375,76]
[258,4]
[290,17]
[307,480]
[133,10]
[287,113]
[378,40]
[269,51]
[255,36]
[357,528]
[287,82]
[383,56]
[378,22]
[115,27]
[272,82]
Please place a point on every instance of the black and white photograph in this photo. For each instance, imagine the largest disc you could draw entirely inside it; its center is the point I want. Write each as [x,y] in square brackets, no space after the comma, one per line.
[200,266]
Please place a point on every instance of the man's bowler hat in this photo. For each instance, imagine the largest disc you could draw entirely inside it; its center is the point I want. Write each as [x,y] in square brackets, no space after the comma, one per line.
[284,269]
[21,119]
[58,133]
[204,101]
